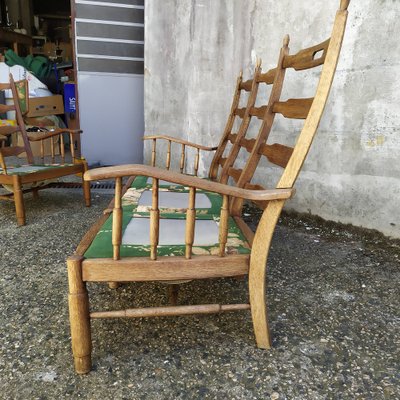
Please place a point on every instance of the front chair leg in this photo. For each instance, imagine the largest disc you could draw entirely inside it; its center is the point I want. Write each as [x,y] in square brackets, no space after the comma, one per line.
[78,301]
[19,200]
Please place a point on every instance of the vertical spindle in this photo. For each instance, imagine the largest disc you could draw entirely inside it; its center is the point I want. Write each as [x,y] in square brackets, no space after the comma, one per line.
[168,163]
[182,163]
[154,221]
[223,225]
[52,149]
[153,153]
[196,162]
[117,220]
[190,223]
[42,150]
[72,146]
[62,148]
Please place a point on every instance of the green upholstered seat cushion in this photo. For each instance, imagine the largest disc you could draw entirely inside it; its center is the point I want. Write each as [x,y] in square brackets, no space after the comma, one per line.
[29,169]
[134,212]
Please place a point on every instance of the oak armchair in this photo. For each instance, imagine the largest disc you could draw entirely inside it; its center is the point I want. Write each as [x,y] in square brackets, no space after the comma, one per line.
[20,176]
[140,240]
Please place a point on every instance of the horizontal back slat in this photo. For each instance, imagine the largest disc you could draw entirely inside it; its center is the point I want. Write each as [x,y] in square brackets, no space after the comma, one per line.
[247,85]
[232,137]
[234,173]
[222,161]
[8,130]
[293,108]
[248,144]
[268,77]
[258,112]
[276,153]
[12,151]
[307,58]
[5,86]
[4,108]
[240,112]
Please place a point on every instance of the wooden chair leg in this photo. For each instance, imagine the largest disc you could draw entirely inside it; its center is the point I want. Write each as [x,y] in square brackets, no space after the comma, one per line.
[19,200]
[113,285]
[173,293]
[35,193]
[78,301]
[257,273]
[86,192]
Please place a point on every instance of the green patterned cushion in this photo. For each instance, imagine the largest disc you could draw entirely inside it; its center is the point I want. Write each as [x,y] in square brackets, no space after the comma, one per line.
[136,215]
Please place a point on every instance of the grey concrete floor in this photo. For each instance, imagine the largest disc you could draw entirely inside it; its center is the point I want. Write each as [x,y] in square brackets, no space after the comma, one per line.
[333,297]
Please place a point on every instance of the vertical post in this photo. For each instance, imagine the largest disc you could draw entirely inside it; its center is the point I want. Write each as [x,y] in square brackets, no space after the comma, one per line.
[72,146]
[62,148]
[153,153]
[223,225]
[182,163]
[78,302]
[52,149]
[42,150]
[190,223]
[18,200]
[154,221]
[86,185]
[196,162]
[117,220]
[168,163]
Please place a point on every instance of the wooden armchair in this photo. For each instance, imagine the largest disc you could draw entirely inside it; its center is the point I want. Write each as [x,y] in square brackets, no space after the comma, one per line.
[32,176]
[139,241]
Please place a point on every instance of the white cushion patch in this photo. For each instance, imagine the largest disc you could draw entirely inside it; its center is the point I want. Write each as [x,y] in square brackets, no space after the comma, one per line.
[172,232]
[174,200]
[161,182]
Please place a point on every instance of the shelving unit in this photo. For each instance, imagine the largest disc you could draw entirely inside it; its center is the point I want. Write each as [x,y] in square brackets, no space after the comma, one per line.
[16,41]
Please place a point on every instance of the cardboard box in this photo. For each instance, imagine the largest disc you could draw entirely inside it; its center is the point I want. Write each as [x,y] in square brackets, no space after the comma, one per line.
[35,146]
[42,106]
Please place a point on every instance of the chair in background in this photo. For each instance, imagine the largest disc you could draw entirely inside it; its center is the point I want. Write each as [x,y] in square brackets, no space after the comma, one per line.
[30,176]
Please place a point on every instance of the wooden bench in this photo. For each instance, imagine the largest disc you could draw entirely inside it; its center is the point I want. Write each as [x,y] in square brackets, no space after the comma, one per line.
[138,242]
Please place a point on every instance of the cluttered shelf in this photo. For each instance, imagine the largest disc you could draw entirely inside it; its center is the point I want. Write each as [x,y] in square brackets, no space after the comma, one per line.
[15,39]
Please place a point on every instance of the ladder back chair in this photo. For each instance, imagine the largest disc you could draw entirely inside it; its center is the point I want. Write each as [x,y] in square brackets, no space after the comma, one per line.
[20,176]
[134,244]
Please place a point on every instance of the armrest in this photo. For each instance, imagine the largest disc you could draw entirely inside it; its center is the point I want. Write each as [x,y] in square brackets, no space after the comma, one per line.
[180,141]
[47,134]
[186,180]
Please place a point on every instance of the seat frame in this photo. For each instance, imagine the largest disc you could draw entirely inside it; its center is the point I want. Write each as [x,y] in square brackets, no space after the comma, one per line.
[27,182]
[170,269]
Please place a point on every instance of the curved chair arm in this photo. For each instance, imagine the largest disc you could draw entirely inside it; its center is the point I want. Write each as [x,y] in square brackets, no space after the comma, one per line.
[186,180]
[40,135]
[180,141]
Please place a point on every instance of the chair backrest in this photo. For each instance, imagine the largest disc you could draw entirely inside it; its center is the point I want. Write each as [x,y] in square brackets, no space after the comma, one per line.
[19,127]
[310,110]
[242,114]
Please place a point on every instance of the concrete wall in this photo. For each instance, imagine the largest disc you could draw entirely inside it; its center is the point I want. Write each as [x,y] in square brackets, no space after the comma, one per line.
[195,49]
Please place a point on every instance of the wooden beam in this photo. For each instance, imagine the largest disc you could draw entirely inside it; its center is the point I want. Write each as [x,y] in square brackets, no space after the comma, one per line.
[170,311]
[140,269]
